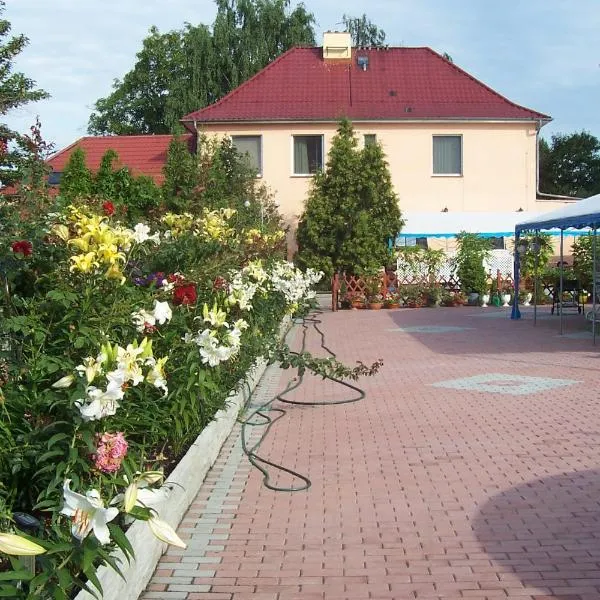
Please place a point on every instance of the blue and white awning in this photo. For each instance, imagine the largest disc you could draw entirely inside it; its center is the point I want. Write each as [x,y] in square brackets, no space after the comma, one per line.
[449,224]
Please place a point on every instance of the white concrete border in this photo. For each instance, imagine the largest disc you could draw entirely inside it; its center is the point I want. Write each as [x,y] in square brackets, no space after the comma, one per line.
[181,488]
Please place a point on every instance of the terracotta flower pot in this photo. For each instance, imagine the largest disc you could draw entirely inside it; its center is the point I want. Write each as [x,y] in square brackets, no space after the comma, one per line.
[375,305]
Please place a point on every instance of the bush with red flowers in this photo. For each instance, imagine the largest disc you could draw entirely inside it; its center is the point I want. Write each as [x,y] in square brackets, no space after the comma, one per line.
[23,247]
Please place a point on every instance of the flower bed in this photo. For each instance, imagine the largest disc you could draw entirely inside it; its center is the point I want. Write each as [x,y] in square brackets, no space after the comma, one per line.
[119,344]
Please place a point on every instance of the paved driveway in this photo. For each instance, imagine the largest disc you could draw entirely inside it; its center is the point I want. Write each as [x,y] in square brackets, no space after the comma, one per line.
[471,470]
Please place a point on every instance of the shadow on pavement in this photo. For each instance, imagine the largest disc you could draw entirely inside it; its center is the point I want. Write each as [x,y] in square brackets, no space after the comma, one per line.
[546,532]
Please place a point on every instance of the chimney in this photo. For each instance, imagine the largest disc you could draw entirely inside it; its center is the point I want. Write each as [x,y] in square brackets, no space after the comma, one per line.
[337,45]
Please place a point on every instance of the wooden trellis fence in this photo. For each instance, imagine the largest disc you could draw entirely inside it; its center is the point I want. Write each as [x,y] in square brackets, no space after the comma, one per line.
[353,285]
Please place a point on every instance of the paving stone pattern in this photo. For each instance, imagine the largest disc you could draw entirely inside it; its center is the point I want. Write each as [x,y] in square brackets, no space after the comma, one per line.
[418,492]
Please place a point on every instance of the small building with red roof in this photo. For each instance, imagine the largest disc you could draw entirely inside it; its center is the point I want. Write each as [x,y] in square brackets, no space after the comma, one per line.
[143,154]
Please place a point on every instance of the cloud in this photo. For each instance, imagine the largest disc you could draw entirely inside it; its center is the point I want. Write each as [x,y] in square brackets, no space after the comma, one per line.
[539,53]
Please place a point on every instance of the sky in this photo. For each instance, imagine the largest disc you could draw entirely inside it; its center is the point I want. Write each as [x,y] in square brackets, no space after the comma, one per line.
[543,54]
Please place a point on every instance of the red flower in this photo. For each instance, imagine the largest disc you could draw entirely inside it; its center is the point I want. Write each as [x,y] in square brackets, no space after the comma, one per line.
[220,283]
[23,247]
[185,294]
[108,208]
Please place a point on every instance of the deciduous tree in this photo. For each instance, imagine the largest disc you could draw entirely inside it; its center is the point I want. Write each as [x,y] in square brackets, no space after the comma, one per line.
[363,31]
[181,71]
[570,165]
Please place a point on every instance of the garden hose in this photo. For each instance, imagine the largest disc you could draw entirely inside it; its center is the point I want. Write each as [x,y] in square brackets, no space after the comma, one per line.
[267,421]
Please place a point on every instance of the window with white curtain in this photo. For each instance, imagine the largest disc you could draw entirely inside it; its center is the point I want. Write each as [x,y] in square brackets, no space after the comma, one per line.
[308,154]
[447,154]
[251,147]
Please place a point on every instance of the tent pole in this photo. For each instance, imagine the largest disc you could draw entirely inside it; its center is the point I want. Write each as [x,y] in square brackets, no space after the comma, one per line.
[516,313]
[594,285]
[560,289]
[535,281]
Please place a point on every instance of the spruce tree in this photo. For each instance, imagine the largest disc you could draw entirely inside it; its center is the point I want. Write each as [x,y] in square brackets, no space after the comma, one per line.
[181,176]
[16,90]
[351,212]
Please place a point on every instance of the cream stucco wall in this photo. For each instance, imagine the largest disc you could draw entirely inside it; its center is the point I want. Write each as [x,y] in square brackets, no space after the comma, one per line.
[499,163]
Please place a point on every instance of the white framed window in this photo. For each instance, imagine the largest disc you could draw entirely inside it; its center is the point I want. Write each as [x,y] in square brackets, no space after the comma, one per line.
[370,139]
[308,154]
[447,155]
[251,147]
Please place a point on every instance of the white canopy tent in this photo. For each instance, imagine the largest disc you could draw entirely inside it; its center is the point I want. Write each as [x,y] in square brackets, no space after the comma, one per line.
[581,215]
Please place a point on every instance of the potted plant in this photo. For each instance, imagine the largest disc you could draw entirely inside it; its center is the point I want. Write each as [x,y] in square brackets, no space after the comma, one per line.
[506,294]
[357,300]
[414,296]
[485,298]
[373,289]
[433,295]
[447,298]
[375,301]
[472,250]
[392,300]
[459,299]
[525,297]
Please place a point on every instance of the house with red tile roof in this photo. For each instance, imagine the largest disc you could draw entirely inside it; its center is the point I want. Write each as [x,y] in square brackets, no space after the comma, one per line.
[453,144]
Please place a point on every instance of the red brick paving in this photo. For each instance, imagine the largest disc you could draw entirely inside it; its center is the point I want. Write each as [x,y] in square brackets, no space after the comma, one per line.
[417,492]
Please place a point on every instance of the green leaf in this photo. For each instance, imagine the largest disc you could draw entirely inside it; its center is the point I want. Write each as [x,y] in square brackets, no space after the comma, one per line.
[121,540]
[57,437]
[44,457]
[90,573]
[89,554]
[64,579]
[23,575]
[9,591]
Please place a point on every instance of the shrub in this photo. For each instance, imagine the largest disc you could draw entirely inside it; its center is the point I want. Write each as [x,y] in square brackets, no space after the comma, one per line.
[472,250]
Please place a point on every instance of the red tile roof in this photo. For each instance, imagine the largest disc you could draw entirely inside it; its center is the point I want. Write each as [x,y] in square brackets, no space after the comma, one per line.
[143,154]
[398,84]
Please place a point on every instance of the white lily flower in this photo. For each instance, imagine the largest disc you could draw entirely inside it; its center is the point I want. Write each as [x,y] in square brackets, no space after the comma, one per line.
[212,353]
[162,312]
[87,513]
[100,403]
[141,233]
[128,361]
[64,382]
[142,318]
[15,545]
[165,533]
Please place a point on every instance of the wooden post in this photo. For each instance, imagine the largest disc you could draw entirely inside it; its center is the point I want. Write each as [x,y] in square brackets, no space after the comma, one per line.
[335,286]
